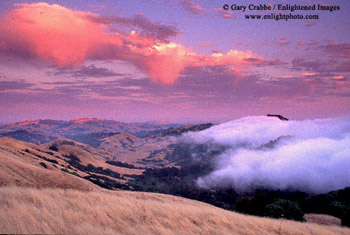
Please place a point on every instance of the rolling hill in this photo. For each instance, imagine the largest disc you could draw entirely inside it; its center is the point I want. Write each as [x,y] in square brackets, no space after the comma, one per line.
[144,145]
[67,165]
[26,164]
[80,129]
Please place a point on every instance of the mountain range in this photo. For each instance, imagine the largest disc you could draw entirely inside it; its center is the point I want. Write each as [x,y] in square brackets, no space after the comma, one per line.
[42,131]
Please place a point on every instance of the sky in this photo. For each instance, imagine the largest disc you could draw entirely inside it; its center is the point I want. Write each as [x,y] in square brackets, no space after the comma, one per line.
[174,60]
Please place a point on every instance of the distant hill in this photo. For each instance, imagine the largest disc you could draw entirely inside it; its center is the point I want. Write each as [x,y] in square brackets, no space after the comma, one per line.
[177,131]
[149,151]
[102,158]
[140,144]
[88,130]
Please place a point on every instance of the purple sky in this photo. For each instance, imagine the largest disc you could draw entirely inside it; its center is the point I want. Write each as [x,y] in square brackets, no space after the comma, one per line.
[175,60]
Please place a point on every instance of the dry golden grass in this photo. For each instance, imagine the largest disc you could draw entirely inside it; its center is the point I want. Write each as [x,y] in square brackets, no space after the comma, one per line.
[322,219]
[20,165]
[123,146]
[29,210]
[88,157]
[20,168]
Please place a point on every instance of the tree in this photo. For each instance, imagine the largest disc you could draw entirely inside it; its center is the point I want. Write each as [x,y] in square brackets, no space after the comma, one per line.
[282,208]
[345,221]
[274,211]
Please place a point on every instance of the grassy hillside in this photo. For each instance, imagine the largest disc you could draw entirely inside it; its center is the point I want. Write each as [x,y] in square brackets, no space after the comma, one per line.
[68,165]
[26,164]
[29,210]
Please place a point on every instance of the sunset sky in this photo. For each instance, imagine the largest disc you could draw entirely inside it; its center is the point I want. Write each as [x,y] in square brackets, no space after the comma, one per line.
[174,60]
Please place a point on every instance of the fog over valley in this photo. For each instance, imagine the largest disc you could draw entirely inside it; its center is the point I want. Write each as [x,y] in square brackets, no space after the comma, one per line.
[263,152]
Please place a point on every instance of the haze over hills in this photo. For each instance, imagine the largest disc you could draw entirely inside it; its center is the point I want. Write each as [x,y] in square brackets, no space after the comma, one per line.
[141,144]
[42,131]
[102,159]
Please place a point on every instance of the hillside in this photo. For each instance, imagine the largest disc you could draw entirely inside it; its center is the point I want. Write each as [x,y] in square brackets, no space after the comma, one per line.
[70,211]
[66,165]
[150,151]
[25,164]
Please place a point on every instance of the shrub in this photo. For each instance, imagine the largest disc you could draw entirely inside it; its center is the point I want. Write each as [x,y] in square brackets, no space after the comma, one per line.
[274,211]
[53,147]
[254,205]
[291,210]
[337,209]
[43,164]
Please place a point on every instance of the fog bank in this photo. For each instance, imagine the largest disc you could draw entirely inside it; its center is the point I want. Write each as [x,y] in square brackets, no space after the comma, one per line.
[264,152]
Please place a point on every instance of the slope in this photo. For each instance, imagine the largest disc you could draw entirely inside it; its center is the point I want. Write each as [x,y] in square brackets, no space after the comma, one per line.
[66,165]
[26,164]
[28,210]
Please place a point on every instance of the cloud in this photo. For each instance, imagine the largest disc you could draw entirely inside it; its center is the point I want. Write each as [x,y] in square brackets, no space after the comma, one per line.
[307,74]
[241,44]
[49,32]
[340,77]
[344,67]
[219,12]
[324,70]
[232,57]
[283,42]
[301,43]
[204,44]
[192,7]
[149,28]
[263,152]
[337,50]
[259,62]
[87,71]
[14,85]
[67,38]
[299,63]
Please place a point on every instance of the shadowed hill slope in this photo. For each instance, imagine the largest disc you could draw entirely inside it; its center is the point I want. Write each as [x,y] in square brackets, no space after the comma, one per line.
[101,212]
[26,164]
[67,165]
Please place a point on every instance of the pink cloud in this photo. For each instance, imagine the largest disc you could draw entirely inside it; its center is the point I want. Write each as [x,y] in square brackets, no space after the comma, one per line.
[282,41]
[301,43]
[220,12]
[203,44]
[339,77]
[232,57]
[50,32]
[241,44]
[308,74]
[67,38]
